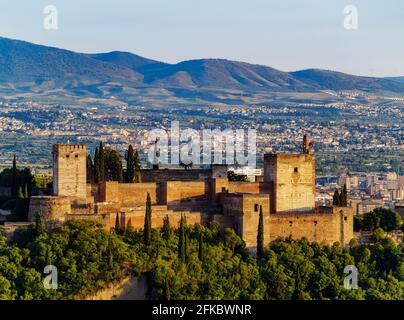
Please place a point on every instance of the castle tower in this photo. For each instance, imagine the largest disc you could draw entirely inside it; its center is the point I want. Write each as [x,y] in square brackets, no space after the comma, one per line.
[291,179]
[69,170]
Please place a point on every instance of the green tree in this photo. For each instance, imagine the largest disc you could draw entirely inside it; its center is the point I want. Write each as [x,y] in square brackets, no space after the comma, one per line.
[186,245]
[40,227]
[112,165]
[97,166]
[181,240]
[101,163]
[117,224]
[260,236]
[166,230]
[14,185]
[147,222]
[90,169]
[132,164]
[336,198]
[344,196]
[200,247]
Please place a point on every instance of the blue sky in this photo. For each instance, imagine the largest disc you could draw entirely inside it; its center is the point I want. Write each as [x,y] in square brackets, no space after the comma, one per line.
[285,34]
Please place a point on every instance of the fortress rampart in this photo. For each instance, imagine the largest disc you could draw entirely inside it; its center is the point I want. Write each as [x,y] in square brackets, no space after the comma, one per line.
[286,194]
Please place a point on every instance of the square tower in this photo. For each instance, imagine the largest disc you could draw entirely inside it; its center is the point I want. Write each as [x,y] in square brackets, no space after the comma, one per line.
[292,181]
[69,170]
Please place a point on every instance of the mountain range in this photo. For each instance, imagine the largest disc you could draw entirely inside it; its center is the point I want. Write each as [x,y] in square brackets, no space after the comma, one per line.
[29,68]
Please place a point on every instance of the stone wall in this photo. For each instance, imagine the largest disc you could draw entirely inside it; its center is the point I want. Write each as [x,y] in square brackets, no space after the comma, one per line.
[164,175]
[244,187]
[336,225]
[244,208]
[127,194]
[187,191]
[107,220]
[54,209]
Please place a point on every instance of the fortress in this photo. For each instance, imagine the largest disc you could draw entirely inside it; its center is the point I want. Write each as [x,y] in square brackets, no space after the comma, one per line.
[286,193]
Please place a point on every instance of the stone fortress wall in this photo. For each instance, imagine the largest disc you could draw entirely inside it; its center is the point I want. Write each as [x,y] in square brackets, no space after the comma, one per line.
[286,194]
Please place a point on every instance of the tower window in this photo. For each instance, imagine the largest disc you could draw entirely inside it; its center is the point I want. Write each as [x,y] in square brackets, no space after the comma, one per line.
[256,207]
[67,156]
[76,156]
[296,170]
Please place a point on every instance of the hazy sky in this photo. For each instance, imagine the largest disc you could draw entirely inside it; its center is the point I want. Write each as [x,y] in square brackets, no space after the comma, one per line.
[284,34]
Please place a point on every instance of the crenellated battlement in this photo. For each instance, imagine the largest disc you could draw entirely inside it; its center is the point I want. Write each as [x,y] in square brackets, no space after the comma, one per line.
[69,147]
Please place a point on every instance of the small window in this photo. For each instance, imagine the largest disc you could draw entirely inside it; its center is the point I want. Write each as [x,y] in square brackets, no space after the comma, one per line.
[76,156]
[345,218]
[67,156]
[296,170]
[290,223]
[256,207]
[315,222]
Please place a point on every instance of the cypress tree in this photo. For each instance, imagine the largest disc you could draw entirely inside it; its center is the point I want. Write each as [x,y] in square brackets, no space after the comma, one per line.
[335,198]
[181,240]
[136,160]
[101,163]
[186,246]
[117,224]
[260,236]
[90,169]
[147,222]
[119,170]
[341,199]
[344,193]
[200,248]
[96,166]
[39,224]
[166,229]
[130,164]
[110,255]
[14,178]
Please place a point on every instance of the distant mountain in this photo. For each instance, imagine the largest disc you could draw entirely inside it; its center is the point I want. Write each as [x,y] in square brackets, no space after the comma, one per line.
[220,73]
[125,59]
[325,79]
[28,67]
[24,61]
[398,79]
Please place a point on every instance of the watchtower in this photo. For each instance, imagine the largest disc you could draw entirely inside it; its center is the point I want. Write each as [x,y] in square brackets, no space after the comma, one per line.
[69,170]
[291,178]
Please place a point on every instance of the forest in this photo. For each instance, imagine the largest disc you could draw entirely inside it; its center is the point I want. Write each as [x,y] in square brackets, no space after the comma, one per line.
[194,262]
